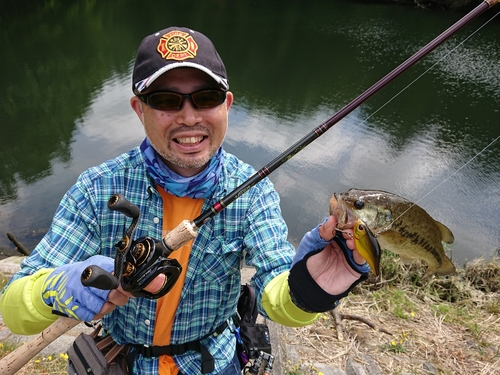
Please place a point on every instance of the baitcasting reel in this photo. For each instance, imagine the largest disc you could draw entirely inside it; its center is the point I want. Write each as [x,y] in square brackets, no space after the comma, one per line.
[137,263]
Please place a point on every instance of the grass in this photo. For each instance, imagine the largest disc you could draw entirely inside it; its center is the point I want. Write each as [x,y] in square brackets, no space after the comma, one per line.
[396,302]
[397,344]
[450,324]
[3,281]
[302,368]
[442,325]
[51,364]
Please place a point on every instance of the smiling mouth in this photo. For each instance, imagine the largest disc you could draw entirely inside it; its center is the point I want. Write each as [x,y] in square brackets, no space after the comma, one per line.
[189,140]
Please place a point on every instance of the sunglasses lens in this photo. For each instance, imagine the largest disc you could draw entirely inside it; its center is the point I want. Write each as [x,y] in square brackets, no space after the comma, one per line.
[165,100]
[208,98]
[172,101]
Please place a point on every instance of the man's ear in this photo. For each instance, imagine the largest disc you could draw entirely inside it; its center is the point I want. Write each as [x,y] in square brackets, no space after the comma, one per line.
[136,105]
[229,100]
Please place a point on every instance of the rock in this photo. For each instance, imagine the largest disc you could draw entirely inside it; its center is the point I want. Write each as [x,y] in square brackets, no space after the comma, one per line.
[365,365]
[429,368]
[354,368]
[10,265]
[371,366]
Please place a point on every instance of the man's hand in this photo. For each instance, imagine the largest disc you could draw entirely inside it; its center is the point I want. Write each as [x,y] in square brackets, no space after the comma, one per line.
[64,292]
[325,268]
[329,268]
[116,297]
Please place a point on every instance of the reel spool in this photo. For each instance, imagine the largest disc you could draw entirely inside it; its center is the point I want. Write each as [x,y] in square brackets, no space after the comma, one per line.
[143,263]
[137,263]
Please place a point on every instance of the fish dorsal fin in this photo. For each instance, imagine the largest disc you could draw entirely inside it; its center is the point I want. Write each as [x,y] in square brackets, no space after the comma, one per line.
[446,235]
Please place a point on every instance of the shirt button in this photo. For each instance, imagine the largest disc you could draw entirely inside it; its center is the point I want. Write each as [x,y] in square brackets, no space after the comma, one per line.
[156,220]
[147,322]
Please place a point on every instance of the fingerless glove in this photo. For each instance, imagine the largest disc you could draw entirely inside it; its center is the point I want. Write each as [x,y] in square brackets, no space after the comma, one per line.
[64,292]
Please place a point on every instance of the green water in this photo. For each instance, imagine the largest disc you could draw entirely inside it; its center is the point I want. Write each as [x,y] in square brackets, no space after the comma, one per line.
[65,77]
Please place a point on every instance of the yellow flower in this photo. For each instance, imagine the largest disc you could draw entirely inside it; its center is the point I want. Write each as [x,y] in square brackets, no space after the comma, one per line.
[63,355]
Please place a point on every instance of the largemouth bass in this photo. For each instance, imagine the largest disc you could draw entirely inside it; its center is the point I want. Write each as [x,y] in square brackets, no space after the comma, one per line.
[399,225]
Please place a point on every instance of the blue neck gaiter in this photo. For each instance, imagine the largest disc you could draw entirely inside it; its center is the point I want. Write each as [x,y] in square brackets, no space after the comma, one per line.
[201,185]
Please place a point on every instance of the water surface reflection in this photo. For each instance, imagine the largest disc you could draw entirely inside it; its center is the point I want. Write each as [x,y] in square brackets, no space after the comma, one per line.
[65,73]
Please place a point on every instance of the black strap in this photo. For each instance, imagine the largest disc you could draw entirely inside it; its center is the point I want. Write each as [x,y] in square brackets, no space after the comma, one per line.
[247,305]
[207,360]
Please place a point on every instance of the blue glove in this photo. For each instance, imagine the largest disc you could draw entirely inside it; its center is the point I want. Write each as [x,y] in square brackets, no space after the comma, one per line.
[63,290]
[312,243]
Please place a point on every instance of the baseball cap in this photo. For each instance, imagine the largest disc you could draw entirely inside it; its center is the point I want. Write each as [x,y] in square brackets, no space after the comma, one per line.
[176,47]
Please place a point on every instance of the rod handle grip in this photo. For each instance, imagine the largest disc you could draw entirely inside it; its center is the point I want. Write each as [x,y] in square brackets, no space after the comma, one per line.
[180,235]
[98,278]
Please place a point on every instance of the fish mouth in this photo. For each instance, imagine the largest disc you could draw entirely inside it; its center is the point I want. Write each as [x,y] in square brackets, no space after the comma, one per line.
[364,240]
[338,208]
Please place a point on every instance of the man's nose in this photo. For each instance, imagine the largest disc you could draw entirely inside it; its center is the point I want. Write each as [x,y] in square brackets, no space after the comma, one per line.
[188,114]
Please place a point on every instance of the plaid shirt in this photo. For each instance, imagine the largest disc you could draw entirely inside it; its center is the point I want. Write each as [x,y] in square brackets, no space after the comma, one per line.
[251,228]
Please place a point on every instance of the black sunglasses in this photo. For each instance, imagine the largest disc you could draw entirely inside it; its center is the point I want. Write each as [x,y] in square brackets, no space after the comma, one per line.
[168,100]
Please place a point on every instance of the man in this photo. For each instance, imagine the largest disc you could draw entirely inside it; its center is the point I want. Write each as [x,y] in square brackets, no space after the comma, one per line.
[182,99]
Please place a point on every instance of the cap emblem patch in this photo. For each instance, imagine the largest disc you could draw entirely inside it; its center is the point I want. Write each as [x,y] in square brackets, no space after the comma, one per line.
[177,45]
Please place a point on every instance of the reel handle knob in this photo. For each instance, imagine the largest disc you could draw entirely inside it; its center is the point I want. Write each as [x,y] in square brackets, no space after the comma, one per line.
[98,278]
[119,203]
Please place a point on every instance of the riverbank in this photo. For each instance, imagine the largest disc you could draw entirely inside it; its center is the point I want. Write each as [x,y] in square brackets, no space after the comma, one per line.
[401,325]
[443,326]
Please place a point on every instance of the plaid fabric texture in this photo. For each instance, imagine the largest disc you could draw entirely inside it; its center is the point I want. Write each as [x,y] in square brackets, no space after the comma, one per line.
[250,229]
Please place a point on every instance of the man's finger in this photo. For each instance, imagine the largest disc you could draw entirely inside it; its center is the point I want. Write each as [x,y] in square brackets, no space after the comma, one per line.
[118,298]
[327,229]
[105,309]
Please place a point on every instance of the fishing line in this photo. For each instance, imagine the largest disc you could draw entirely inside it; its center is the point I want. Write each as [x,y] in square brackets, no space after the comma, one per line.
[389,101]
[445,180]
[295,175]
[471,159]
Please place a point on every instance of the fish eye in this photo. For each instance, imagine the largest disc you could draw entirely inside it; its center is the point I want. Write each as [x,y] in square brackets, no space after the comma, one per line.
[359,204]
[361,227]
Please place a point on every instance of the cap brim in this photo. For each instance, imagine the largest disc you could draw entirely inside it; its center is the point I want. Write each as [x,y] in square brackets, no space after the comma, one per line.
[145,83]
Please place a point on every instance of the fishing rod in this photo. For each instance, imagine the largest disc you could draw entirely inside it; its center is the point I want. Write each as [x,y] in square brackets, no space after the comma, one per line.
[321,129]
[187,230]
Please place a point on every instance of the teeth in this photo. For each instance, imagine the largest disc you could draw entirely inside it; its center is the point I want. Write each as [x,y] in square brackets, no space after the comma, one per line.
[187,140]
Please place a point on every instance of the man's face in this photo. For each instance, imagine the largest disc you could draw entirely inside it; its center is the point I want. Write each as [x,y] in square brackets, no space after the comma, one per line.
[187,138]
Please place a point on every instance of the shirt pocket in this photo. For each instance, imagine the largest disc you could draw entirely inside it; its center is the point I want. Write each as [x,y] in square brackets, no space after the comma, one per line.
[221,260]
